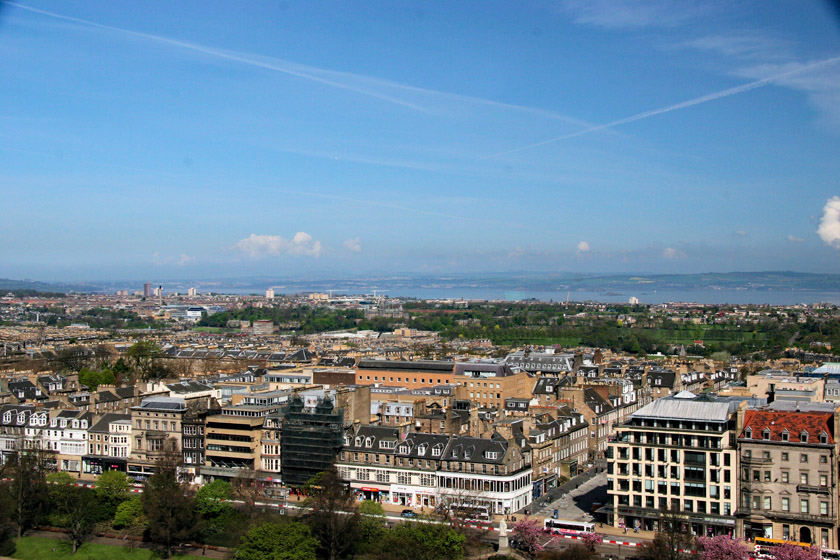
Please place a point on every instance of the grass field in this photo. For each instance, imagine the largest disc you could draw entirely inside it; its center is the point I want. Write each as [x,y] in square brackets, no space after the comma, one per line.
[39,548]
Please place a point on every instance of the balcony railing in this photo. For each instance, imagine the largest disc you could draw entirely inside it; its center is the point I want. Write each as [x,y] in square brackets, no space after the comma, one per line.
[813,489]
[756,460]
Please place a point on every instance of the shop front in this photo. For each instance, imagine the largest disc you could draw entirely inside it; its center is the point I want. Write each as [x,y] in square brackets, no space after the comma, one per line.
[94,464]
[374,493]
[413,496]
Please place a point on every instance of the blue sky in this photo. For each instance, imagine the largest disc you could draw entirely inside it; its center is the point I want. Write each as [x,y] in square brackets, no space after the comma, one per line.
[217,139]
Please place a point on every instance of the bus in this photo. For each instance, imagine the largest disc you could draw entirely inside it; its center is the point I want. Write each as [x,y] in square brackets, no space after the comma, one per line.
[471,513]
[563,527]
[764,546]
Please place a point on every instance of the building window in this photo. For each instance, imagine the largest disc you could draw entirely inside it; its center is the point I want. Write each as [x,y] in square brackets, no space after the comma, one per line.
[803,458]
[767,502]
[785,477]
[785,504]
[804,505]
[785,456]
[823,508]
[803,478]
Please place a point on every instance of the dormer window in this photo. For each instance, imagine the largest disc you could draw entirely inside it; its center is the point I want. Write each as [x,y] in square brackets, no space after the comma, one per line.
[766,433]
[403,449]
[824,438]
[785,435]
[491,454]
[748,433]
[346,440]
[369,442]
[421,449]
[358,442]
[436,450]
[803,437]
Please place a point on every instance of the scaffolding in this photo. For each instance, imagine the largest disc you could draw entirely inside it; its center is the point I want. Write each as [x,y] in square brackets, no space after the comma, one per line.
[310,440]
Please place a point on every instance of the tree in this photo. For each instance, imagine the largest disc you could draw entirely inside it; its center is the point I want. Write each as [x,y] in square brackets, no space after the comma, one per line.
[144,358]
[111,487]
[334,520]
[289,540]
[75,510]
[27,487]
[120,369]
[528,532]
[130,514]
[790,551]
[722,547]
[371,525]
[7,525]
[168,507]
[212,500]
[420,541]
[590,541]
[94,379]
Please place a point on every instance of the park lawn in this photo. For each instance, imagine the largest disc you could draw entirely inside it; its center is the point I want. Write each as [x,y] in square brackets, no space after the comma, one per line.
[39,548]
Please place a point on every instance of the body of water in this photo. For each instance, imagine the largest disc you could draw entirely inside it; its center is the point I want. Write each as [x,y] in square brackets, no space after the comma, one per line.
[705,296]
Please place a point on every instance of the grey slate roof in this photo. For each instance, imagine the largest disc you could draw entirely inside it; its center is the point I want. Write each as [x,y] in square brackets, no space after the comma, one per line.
[687,406]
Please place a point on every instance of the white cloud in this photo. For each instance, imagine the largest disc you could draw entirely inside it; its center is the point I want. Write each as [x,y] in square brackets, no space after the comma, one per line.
[741,232]
[259,246]
[793,239]
[353,245]
[829,230]
[634,14]
[185,260]
[583,247]
[672,254]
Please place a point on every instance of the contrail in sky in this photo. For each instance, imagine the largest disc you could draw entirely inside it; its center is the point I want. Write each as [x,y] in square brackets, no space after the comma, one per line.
[309,72]
[677,106]
[226,55]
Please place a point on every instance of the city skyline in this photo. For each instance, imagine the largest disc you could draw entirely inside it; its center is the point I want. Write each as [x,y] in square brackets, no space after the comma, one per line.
[206,140]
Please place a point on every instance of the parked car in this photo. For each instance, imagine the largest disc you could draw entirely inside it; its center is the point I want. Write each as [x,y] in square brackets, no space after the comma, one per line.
[408,513]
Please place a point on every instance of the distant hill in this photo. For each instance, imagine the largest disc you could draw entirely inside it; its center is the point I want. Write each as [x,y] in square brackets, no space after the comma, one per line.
[8,285]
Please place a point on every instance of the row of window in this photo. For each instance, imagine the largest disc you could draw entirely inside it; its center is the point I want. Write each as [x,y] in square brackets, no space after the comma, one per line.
[803,435]
[785,477]
[803,457]
[686,505]
[766,503]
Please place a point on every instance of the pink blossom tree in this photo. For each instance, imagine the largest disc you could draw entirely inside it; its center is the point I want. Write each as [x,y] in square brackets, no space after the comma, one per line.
[790,551]
[528,533]
[722,547]
[591,540]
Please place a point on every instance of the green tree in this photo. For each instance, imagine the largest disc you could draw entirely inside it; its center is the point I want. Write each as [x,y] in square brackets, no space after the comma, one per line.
[120,369]
[112,487]
[130,514]
[75,509]
[421,541]
[59,477]
[371,524]
[168,507]
[289,540]
[94,379]
[211,500]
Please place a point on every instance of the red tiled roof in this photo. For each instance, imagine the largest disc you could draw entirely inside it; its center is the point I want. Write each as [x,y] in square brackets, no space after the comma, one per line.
[778,421]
